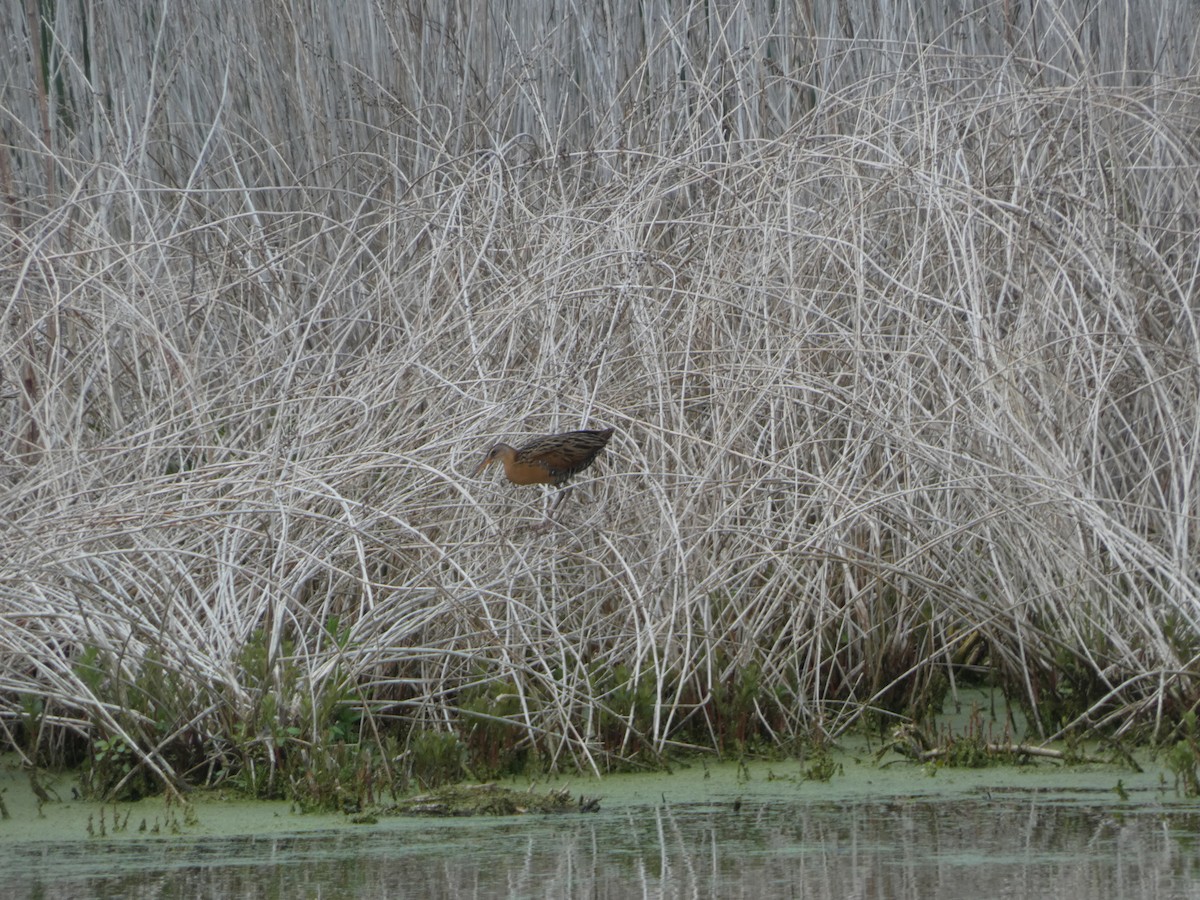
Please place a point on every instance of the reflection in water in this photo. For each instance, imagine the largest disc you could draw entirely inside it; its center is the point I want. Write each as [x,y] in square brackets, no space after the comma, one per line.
[913,849]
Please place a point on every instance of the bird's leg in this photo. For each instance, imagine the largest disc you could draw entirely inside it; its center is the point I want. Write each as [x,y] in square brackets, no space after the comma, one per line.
[551,506]
[562,495]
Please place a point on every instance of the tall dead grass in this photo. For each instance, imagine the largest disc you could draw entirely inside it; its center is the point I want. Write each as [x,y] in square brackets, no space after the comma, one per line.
[904,378]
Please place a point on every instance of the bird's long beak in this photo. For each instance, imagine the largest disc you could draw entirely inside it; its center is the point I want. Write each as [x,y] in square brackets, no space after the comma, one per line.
[487,461]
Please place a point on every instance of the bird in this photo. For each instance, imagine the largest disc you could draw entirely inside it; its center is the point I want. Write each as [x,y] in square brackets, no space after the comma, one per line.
[550,459]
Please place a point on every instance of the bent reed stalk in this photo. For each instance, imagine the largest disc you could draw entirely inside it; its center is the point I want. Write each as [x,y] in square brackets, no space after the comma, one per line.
[905,394]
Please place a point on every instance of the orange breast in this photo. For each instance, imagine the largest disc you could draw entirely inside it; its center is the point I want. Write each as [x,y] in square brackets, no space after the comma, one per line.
[527,473]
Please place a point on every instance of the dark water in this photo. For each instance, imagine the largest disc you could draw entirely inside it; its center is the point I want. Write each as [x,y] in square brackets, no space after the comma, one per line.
[968,848]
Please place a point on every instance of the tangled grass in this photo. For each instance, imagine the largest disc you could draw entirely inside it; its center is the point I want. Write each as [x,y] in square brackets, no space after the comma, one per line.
[905,394]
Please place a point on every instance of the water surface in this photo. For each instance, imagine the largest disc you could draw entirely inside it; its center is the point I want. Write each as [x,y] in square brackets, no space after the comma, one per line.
[761,830]
[1010,846]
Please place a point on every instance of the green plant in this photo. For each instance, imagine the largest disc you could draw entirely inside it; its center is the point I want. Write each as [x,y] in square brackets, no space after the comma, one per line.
[435,758]
[821,765]
[1183,759]
[494,741]
[112,763]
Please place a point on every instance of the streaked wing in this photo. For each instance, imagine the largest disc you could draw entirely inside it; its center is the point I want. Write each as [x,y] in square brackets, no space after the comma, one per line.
[564,455]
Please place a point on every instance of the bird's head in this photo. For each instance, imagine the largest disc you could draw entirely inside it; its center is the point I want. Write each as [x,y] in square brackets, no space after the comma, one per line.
[497,452]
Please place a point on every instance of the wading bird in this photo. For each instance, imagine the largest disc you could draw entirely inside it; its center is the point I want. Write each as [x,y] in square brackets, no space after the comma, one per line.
[551,459]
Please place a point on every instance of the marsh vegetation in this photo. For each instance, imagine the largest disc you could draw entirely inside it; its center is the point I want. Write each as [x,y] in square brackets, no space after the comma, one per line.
[896,322]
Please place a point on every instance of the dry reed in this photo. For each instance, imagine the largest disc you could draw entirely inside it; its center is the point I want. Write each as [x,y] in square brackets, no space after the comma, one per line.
[900,345]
